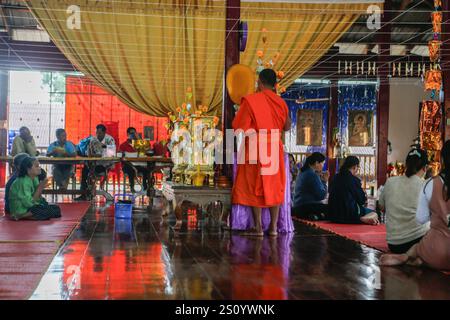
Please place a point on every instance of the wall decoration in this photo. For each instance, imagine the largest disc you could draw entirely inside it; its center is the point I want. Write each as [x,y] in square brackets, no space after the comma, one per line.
[309,127]
[360,128]
[306,97]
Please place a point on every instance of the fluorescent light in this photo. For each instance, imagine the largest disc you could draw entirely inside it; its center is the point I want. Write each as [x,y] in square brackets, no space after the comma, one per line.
[30,35]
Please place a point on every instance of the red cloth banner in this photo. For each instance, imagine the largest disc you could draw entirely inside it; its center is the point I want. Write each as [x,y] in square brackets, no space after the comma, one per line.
[88,105]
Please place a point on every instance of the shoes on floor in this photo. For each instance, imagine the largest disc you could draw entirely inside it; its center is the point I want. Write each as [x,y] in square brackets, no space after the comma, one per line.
[81,198]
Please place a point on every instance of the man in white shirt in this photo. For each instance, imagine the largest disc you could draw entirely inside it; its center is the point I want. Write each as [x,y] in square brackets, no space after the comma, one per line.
[96,148]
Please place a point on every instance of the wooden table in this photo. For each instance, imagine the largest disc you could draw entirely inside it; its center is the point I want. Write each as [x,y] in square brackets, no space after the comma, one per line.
[91,162]
[178,193]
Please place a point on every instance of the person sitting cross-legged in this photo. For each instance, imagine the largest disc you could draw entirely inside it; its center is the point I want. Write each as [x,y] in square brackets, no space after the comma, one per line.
[25,195]
[62,148]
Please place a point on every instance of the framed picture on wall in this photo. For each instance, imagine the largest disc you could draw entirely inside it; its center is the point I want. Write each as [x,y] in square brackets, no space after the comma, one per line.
[149,133]
[360,128]
[309,127]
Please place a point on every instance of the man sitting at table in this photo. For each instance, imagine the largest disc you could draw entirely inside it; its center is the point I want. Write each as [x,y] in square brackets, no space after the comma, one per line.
[24,143]
[129,168]
[96,146]
[62,148]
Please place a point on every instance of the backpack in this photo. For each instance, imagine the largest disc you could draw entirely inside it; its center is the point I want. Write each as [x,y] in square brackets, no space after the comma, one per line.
[82,147]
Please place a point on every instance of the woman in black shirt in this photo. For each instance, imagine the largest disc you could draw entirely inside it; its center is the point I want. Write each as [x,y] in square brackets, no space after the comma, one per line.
[347,201]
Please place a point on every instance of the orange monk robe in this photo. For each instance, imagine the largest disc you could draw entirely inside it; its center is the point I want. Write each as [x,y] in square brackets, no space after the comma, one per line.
[263,110]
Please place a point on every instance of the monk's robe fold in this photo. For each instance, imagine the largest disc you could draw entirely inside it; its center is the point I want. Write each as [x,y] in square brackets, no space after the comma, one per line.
[261,111]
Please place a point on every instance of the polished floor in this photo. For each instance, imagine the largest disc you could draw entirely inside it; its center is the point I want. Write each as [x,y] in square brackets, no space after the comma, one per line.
[144,258]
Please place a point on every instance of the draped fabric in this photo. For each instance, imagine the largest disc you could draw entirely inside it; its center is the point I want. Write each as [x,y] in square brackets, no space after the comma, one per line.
[149,52]
[145,52]
[87,105]
[301,32]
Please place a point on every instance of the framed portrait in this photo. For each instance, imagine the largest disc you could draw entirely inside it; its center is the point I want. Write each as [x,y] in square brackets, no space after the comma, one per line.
[309,127]
[360,128]
[149,133]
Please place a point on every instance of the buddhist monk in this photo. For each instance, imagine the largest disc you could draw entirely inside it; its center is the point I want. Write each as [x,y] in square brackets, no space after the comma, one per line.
[260,177]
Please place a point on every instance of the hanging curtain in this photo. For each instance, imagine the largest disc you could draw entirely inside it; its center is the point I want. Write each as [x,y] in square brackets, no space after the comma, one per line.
[301,32]
[148,53]
[145,52]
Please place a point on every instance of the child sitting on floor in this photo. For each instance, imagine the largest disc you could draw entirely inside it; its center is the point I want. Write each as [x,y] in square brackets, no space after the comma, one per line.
[25,195]
[16,165]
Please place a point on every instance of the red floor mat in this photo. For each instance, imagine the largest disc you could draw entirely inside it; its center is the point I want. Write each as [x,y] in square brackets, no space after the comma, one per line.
[22,266]
[28,247]
[50,230]
[372,236]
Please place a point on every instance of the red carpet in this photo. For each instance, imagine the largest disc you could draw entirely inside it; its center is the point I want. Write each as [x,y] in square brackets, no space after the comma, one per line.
[28,247]
[371,236]
[50,230]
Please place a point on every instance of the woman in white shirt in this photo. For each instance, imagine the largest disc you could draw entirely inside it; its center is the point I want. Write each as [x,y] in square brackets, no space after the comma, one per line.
[434,206]
[399,199]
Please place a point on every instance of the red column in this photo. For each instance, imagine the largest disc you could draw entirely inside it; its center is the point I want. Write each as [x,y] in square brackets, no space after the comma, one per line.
[332,123]
[4,108]
[383,38]
[233,14]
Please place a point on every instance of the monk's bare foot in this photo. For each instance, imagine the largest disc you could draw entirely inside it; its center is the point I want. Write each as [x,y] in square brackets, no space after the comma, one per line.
[370,218]
[178,225]
[273,233]
[253,233]
[393,259]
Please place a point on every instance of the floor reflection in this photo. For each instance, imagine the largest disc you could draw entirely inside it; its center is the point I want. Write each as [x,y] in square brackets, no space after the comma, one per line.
[260,267]
[144,258]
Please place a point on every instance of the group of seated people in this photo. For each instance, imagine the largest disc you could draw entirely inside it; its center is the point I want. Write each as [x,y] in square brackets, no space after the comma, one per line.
[347,201]
[93,146]
[417,210]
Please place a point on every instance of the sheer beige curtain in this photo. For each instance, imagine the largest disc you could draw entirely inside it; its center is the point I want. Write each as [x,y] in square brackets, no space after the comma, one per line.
[145,52]
[149,52]
[301,32]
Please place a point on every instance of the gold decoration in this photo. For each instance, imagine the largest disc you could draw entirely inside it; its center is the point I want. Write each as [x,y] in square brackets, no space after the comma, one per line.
[430,126]
[434,47]
[436,20]
[433,80]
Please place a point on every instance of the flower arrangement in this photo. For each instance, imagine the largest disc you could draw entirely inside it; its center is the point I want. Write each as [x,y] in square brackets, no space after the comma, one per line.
[183,114]
[270,63]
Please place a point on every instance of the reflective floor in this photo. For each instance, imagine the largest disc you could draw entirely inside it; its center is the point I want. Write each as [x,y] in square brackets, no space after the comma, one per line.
[144,258]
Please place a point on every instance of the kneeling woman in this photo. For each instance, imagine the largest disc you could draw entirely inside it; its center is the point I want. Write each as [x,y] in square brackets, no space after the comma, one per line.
[25,195]
[347,199]
[434,206]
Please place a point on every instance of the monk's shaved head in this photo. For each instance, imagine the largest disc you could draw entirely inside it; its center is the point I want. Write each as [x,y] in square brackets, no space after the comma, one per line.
[268,78]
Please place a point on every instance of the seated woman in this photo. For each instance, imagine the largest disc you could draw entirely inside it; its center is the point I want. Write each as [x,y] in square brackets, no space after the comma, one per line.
[311,189]
[434,205]
[347,199]
[399,199]
[25,195]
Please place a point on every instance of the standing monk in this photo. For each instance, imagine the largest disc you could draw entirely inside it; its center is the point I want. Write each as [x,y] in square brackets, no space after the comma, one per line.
[262,116]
